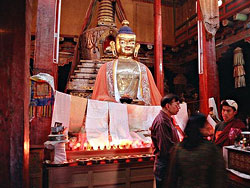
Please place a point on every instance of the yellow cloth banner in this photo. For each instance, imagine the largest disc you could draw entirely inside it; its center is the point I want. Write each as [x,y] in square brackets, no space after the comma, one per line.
[77,113]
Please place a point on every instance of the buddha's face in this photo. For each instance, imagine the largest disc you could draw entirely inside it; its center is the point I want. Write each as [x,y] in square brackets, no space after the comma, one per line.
[125,45]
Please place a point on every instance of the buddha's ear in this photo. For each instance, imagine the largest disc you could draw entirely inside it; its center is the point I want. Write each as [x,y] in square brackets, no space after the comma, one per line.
[112,44]
[137,47]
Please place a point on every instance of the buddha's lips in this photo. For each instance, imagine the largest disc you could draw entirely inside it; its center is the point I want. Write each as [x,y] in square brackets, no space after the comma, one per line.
[128,48]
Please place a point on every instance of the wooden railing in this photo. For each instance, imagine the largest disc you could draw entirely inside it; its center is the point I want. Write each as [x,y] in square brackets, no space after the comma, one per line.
[188,29]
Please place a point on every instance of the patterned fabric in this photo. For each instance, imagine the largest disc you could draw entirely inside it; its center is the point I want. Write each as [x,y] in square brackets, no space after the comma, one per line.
[202,166]
[210,14]
[144,87]
[110,78]
[41,94]
[41,99]
[222,130]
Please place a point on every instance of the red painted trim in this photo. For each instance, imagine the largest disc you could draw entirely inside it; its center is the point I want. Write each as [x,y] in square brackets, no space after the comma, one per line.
[234,7]
[55,49]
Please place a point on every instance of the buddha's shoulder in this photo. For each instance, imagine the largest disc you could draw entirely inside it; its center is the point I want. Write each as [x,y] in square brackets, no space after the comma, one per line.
[143,66]
[111,63]
[108,64]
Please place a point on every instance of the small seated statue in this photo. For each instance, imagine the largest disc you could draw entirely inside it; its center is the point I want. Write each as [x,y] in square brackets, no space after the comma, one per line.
[125,77]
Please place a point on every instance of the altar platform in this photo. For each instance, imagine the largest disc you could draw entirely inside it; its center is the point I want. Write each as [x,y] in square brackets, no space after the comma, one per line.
[238,166]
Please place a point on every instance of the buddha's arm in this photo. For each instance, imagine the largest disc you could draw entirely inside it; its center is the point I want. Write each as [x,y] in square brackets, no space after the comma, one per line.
[154,92]
[100,91]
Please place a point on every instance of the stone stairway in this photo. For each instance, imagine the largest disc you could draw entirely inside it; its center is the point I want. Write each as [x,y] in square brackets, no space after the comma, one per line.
[82,81]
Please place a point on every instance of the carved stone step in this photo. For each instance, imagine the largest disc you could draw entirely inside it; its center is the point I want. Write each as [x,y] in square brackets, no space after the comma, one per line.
[83,81]
[86,70]
[78,86]
[92,61]
[83,75]
[87,61]
[81,94]
[89,65]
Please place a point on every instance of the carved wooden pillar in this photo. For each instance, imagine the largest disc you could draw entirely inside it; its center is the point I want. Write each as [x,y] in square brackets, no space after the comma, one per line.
[46,18]
[15,24]
[44,46]
[208,71]
[159,71]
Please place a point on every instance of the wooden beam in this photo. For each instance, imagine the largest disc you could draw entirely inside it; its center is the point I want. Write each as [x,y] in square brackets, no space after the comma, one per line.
[234,38]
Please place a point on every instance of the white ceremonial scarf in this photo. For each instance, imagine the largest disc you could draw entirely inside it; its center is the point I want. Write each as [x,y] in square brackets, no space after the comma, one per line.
[140,119]
[181,117]
[61,112]
[118,125]
[211,103]
[97,123]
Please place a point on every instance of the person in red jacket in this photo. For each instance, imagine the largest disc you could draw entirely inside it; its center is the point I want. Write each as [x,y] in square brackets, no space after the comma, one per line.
[227,130]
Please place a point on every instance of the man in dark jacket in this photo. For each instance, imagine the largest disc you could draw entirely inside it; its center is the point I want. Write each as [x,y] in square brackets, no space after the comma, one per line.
[164,136]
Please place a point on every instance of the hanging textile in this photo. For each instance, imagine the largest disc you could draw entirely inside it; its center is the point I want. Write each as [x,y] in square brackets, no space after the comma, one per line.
[181,118]
[210,13]
[118,124]
[239,72]
[213,109]
[44,77]
[97,123]
[77,113]
[140,118]
[41,95]
[61,112]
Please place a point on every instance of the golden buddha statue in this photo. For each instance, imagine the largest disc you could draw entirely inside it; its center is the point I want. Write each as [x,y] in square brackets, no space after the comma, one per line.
[125,77]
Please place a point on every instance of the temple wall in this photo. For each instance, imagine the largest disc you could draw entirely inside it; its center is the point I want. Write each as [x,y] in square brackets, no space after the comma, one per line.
[184,12]
[72,16]
[139,14]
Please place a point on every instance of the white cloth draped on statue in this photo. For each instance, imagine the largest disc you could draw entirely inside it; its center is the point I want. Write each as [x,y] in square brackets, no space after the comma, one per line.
[210,13]
[118,125]
[97,123]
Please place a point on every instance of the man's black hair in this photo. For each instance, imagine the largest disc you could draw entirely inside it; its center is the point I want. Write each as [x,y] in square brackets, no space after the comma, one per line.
[167,99]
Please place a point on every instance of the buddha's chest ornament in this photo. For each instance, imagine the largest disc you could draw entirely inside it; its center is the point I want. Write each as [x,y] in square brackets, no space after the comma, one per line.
[128,75]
